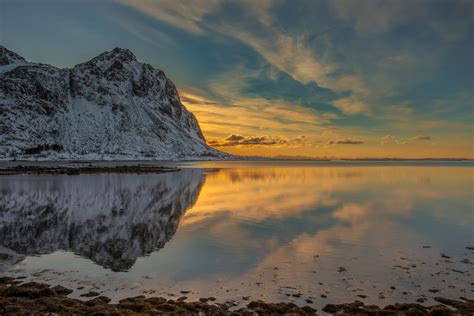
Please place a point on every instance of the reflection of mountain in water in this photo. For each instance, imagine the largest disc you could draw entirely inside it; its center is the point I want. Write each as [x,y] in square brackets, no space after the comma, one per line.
[110,218]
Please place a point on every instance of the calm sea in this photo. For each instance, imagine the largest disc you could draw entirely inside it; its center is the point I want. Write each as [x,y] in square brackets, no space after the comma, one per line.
[330,232]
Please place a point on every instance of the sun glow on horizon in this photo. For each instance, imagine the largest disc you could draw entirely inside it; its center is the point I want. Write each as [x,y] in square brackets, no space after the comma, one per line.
[258,127]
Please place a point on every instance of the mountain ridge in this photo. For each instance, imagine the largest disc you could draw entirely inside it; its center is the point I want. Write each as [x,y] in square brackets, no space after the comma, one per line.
[109,107]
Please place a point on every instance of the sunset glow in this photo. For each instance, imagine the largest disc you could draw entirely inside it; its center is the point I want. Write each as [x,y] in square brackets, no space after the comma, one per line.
[319,79]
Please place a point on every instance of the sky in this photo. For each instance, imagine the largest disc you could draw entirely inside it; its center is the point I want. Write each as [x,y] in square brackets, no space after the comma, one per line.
[339,78]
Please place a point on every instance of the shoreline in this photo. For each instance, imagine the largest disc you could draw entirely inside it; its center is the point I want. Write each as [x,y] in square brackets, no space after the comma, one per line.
[18,297]
[88,169]
[230,158]
[141,167]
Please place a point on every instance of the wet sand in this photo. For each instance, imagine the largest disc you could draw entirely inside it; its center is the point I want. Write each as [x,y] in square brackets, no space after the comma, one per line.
[17,297]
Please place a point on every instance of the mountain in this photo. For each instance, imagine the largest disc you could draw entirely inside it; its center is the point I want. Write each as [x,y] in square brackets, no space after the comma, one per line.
[110,107]
[112,219]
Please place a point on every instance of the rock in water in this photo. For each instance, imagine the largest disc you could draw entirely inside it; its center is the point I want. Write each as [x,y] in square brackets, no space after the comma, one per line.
[110,107]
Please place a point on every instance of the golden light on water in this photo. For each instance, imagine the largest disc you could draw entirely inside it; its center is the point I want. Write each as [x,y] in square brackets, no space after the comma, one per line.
[269,192]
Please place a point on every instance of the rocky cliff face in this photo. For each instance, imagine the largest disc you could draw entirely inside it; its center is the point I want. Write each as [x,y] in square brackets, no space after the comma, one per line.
[110,107]
[111,219]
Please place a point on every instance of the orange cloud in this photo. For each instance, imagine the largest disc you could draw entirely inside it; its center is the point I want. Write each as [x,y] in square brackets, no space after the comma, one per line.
[347,141]
[239,140]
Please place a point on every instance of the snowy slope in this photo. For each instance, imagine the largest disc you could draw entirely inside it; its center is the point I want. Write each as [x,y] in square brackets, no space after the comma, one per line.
[112,219]
[110,107]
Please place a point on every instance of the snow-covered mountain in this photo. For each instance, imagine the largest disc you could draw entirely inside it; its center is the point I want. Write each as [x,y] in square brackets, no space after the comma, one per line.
[111,219]
[110,107]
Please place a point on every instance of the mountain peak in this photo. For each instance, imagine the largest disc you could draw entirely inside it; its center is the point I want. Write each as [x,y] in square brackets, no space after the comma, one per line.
[117,58]
[119,54]
[8,57]
[123,51]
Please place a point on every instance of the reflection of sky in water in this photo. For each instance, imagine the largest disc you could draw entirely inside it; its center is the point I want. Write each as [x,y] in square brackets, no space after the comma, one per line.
[259,230]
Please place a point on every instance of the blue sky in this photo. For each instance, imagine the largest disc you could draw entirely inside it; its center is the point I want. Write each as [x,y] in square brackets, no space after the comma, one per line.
[315,78]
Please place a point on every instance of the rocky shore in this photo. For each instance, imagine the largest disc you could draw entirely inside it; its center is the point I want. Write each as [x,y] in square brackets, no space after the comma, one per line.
[33,298]
[82,169]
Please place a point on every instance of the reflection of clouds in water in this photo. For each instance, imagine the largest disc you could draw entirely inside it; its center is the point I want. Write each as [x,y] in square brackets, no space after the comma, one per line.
[280,192]
[359,206]
[257,194]
[350,212]
[372,247]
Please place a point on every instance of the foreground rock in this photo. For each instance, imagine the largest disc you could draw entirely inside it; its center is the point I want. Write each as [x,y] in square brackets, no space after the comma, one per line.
[40,298]
[450,307]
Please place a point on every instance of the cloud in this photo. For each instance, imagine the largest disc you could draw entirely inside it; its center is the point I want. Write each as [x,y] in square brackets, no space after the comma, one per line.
[287,52]
[291,55]
[235,138]
[253,116]
[390,139]
[144,32]
[271,83]
[238,140]
[400,111]
[186,15]
[420,137]
[351,105]
[375,16]
[264,82]
[347,141]
[380,16]
[193,99]
[432,125]
[246,123]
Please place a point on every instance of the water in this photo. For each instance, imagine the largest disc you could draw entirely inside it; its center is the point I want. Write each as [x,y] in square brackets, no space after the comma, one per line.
[279,231]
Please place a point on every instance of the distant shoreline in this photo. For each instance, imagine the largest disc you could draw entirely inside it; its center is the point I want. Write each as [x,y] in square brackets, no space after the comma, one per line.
[76,167]
[234,158]
[75,170]
[370,159]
